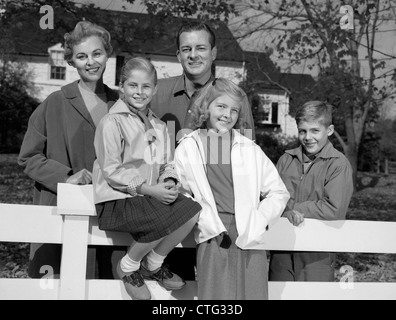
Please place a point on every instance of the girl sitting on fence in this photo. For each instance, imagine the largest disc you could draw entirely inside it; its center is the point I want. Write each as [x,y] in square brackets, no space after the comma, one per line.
[135,188]
[240,192]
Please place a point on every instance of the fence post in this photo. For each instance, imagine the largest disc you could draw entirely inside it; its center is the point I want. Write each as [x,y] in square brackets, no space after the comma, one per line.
[74,258]
[386,166]
[76,204]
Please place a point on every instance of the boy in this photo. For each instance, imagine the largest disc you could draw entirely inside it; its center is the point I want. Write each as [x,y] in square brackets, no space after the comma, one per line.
[319,180]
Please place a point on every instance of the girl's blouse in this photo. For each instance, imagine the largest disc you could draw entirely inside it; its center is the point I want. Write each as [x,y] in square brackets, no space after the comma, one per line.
[125,157]
[217,149]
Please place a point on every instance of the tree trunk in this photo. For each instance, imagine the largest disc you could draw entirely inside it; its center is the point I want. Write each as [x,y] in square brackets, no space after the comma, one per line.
[352,156]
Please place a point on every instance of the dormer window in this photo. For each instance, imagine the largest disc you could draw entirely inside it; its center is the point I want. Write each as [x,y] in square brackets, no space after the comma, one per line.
[58,65]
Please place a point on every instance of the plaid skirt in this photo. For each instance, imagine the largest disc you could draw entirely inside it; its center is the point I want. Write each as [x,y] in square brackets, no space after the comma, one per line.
[144,217]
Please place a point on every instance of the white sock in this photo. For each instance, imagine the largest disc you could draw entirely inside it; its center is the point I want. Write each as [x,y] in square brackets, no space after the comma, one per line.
[128,265]
[154,261]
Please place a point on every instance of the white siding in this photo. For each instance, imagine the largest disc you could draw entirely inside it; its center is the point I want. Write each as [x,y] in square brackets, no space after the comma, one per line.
[232,71]
[170,67]
[166,67]
[290,125]
[44,86]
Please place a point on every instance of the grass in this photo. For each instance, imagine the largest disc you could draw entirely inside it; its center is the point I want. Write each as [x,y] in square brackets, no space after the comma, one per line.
[15,188]
[374,203]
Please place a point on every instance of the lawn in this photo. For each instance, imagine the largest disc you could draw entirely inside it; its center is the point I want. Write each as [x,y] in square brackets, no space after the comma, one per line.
[370,203]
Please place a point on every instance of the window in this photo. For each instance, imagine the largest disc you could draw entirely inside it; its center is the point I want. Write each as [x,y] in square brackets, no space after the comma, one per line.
[265,111]
[275,108]
[58,65]
[58,73]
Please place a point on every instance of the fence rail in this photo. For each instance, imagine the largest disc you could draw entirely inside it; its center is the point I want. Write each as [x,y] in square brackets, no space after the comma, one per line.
[73,223]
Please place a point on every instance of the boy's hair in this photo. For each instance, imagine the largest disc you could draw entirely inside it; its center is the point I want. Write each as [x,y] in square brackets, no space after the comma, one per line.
[196,26]
[138,63]
[82,31]
[199,105]
[314,110]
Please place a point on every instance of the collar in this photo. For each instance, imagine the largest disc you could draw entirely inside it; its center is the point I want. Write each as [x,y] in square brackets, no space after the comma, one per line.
[327,152]
[180,86]
[72,91]
[120,107]
[238,139]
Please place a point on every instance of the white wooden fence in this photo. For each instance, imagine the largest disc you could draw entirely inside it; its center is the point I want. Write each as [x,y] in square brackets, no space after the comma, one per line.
[73,224]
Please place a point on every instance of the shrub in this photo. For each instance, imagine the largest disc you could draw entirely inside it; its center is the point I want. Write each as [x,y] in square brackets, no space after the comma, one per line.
[274,144]
[16,105]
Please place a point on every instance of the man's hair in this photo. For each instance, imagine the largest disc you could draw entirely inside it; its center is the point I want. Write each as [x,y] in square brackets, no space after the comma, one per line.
[196,26]
[315,110]
[82,31]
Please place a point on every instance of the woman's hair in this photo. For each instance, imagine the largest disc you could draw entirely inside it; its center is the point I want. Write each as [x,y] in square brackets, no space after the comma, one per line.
[199,105]
[82,31]
[315,110]
[138,63]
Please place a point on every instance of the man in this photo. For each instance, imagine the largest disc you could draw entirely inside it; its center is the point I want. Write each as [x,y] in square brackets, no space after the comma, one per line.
[196,52]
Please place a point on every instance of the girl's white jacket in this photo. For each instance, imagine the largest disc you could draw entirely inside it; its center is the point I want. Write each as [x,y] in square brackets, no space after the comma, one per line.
[260,194]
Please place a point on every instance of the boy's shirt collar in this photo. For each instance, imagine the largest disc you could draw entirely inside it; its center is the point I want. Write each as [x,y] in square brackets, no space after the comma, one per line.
[327,152]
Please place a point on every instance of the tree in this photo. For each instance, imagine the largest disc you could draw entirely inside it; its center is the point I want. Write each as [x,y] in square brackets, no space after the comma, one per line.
[18,18]
[305,32]
[309,32]
[16,104]
[388,139]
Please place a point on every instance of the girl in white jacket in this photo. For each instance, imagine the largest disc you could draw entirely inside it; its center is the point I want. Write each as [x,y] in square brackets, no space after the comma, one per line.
[239,190]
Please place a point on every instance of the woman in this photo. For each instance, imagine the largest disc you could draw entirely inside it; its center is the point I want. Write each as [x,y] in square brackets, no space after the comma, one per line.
[58,145]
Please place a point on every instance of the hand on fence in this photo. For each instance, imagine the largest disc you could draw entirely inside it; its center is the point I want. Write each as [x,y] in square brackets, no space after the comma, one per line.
[82,177]
[295,217]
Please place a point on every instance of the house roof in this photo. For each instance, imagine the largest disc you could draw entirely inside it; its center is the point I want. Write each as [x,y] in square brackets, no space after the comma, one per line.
[294,82]
[260,67]
[131,32]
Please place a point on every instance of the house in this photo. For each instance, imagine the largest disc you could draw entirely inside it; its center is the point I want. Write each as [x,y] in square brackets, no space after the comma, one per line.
[271,92]
[154,37]
[137,34]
